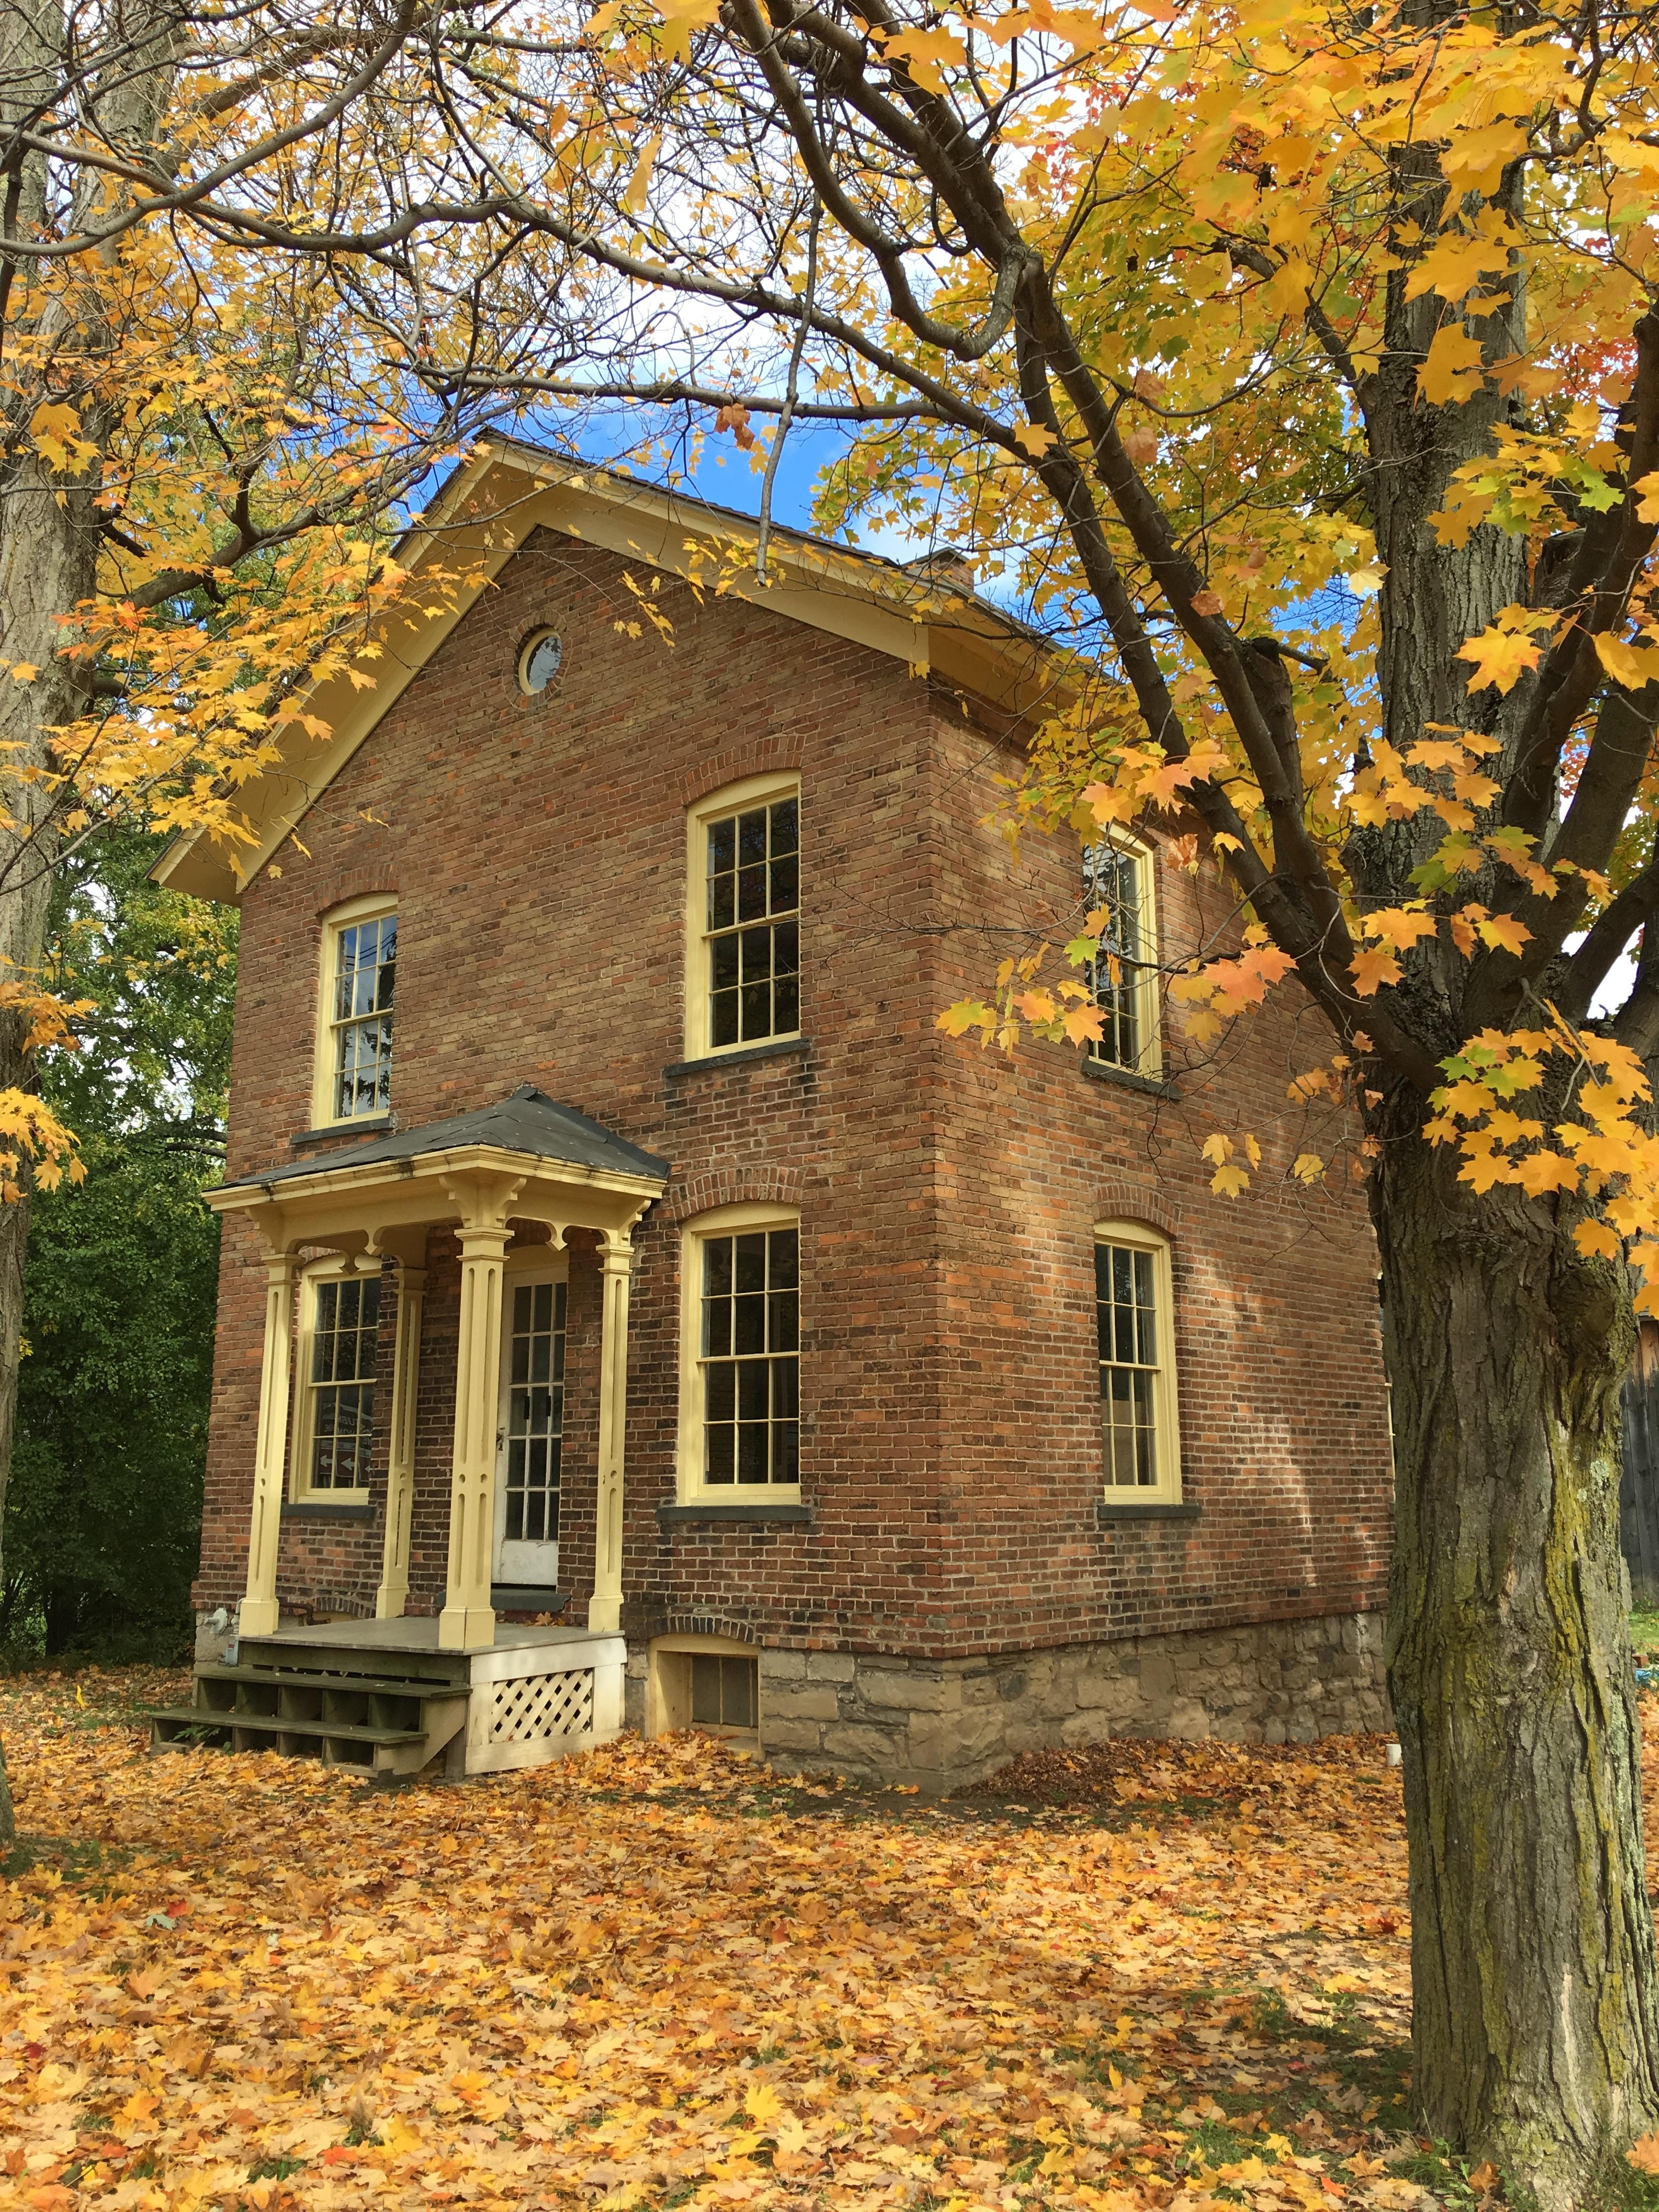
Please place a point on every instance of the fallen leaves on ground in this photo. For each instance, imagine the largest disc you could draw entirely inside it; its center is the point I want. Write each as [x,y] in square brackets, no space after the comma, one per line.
[659,1976]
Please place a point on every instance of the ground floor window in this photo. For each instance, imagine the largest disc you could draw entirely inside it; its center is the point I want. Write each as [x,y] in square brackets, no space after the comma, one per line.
[1132,1321]
[740,1344]
[710,1682]
[337,1409]
[724,1691]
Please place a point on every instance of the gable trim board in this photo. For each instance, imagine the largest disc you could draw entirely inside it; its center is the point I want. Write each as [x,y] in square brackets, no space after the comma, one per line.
[484,515]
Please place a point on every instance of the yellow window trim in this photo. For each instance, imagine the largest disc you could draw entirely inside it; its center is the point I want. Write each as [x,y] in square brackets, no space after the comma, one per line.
[719,1221]
[1148,1009]
[367,908]
[1140,1238]
[752,791]
[334,1269]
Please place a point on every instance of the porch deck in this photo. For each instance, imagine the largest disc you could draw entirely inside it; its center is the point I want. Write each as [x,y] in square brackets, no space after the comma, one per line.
[416,1632]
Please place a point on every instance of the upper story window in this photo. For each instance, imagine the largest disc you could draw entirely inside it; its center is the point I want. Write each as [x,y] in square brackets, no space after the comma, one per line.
[1117,885]
[360,975]
[740,1352]
[341,1320]
[742,935]
[1133,1297]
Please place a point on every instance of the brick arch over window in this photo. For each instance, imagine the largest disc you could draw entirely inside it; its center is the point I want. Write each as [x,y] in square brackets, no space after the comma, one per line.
[369,877]
[751,1186]
[1117,1200]
[707,1623]
[778,756]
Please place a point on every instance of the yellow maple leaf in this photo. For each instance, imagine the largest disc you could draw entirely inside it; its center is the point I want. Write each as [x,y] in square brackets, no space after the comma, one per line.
[1452,369]
[639,184]
[1228,1181]
[1504,931]
[1034,438]
[1501,658]
[1644,2153]
[1632,666]
[1595,1240]
[1545,1171]
[762,2103]
[1373,967]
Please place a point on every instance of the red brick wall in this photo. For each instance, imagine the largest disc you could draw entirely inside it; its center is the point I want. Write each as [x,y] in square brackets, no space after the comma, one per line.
[950,1449]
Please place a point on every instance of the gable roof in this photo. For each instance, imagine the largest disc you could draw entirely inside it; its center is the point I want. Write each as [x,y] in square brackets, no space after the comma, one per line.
[527,1121]
[484,514]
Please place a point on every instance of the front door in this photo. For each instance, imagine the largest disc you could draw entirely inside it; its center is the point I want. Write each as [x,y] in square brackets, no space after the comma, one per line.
[531,1429]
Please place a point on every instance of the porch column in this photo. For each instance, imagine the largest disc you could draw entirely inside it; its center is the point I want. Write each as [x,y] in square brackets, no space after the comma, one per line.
[393,1593]
[468,1617]
[258,1615]
[604,1606]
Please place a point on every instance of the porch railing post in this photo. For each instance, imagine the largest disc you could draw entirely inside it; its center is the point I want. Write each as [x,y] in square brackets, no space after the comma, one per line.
[393,1593]
[468,1617]
[604,1606]
[259,1613]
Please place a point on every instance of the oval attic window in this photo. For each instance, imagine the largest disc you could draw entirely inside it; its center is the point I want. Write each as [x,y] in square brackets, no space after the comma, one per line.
[540,661]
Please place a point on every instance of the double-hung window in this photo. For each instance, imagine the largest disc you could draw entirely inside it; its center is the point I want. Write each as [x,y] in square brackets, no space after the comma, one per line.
[742,935]
[1117,896]
[1139,1440]
[341,1320]
[360,976]
[740,1338]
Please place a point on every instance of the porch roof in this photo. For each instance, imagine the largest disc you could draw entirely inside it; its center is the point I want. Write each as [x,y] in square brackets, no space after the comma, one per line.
[527,1158]
[527,1121]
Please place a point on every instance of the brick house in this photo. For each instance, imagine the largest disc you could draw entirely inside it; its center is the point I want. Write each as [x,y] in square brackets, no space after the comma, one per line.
[644,1312]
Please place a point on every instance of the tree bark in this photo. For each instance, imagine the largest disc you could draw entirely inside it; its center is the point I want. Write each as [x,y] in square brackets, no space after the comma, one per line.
[1535,2020]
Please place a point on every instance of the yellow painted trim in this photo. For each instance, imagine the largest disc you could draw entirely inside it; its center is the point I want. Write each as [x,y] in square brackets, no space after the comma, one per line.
[484,515]
[367,908]
[718,1221]
[1166,1394]
[750,791]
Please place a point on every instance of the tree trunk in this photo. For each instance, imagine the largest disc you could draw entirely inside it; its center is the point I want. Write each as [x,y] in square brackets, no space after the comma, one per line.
[1535,2023]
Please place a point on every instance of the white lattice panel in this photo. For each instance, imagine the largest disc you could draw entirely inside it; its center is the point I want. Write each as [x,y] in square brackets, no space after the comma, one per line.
[538,1709]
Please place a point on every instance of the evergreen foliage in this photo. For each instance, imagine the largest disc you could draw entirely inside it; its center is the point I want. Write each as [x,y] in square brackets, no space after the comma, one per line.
[103,1511]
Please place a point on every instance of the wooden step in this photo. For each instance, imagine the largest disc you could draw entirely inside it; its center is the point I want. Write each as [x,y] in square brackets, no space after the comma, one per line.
[376,1686]
[206,1716]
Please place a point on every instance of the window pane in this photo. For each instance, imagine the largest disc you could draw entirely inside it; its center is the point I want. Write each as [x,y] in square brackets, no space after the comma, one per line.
[754,875]
[535,1412]
[1111,890]
[738,1691]
[1126,1282]
[750,1335]
[365,975]
[705,1689]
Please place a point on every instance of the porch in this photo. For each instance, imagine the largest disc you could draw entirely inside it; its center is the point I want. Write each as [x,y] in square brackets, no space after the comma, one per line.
[386,1696]
[510,1182]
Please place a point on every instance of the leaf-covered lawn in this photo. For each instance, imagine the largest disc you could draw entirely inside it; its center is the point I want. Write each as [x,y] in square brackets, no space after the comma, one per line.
[657,1976]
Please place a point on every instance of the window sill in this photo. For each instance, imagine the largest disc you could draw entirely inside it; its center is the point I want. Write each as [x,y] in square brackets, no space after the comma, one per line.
[762,1508]
[740,1056]
[528,1597]
[1107,1510]
[367,1125]
[326,1508]
[1103,1071]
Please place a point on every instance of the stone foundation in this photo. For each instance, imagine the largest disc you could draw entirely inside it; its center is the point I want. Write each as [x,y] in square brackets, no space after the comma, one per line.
[944,1724]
